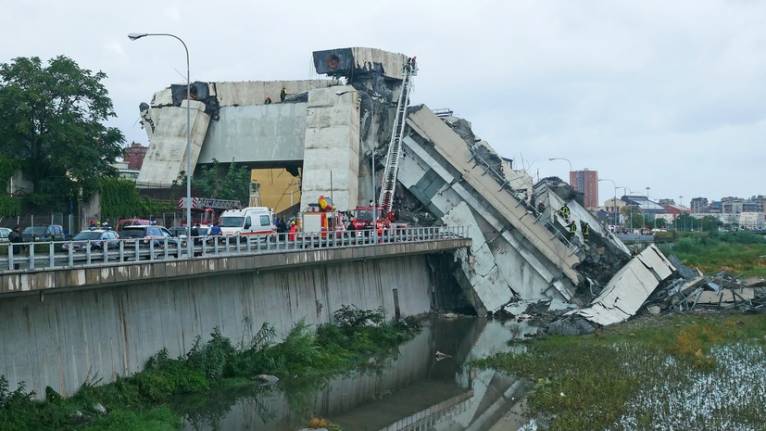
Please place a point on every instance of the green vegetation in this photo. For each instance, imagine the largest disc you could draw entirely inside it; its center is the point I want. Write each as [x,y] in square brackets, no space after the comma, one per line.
[631,376]
[144,401]
[742,253]
[120,198]
[232,182]
[51,127]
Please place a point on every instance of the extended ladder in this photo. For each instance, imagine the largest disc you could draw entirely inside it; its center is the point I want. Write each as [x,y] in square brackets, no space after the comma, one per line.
[391,170]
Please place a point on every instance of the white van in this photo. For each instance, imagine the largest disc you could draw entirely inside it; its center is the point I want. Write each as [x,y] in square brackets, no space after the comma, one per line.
[247,221]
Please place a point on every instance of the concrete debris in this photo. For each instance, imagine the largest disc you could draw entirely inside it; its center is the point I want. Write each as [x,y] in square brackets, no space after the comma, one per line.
[627,291]
[754,282]
[99,408]
[572,325]
[654,310]
[266,379]
[719,291]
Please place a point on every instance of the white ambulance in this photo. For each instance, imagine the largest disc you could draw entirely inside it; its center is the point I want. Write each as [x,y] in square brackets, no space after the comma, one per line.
[255,221]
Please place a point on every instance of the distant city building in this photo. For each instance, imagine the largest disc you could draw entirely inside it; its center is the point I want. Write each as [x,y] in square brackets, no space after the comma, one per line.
[134,155]
[586,182]
[698,205]
[732,205]
[643,204]
[124,171]
[667,202]
[752,220]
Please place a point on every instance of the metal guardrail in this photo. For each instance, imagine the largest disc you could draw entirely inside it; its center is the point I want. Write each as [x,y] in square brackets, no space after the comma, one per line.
[33,256]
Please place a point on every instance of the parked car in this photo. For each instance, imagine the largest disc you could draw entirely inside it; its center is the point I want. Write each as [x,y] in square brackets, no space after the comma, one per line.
[144,234]
[122,223]
[99,238]
[4,232]
[48,233]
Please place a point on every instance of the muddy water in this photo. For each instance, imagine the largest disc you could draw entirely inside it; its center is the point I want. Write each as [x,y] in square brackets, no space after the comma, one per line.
[428,384]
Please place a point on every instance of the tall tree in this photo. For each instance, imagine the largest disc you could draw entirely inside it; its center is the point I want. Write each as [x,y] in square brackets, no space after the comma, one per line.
[52,123]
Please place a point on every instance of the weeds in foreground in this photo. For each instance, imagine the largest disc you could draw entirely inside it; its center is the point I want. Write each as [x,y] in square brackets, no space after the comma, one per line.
[588,382]
[141,402]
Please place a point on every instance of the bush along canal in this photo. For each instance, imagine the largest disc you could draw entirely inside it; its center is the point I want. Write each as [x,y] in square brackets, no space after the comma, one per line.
[150,400]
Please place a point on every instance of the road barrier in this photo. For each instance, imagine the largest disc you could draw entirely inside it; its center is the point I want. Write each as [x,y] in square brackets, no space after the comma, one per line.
[34,256]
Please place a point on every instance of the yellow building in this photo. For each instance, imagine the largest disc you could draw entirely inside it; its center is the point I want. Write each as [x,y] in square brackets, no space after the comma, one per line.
[274,188]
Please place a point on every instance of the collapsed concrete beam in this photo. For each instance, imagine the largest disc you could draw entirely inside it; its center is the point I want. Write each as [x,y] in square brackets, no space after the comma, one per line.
[451,148]
[629,288]
[485,286]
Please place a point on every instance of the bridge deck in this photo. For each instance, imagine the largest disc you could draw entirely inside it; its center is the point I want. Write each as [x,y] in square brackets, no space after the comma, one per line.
[101,274]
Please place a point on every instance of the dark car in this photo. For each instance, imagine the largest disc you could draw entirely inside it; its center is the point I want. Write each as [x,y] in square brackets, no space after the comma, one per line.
[48,233]
[98,238]
[144,234]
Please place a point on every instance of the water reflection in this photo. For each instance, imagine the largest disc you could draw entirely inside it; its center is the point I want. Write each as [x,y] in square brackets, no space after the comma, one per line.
[427,385]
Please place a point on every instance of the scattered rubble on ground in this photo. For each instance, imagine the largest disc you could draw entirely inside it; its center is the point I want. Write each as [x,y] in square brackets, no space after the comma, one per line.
[652,285]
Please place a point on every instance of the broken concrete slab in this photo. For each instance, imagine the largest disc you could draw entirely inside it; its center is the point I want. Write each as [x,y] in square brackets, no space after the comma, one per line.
[489,291]
[627,291]
[726,296]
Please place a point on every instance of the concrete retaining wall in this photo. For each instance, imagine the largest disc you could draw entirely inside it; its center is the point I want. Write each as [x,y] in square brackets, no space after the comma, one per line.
[62,339]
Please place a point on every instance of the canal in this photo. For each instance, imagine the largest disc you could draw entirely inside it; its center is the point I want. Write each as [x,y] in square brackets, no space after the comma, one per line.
[427,385]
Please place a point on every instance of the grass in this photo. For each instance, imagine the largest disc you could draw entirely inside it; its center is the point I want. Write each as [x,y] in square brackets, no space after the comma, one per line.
[634,375]
[144,401]
[742,253]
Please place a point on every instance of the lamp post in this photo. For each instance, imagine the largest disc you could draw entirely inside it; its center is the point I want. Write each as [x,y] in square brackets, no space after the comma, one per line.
[614,202]
[625,191]
[189,168]
[564,159]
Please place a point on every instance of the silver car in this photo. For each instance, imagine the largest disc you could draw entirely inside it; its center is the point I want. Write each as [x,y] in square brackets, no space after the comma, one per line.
[4,232]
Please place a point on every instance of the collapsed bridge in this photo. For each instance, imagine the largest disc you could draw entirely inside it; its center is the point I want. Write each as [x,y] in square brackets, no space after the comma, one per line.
[328,131]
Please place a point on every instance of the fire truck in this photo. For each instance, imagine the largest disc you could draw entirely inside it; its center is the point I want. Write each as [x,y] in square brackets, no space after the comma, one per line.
[322,218]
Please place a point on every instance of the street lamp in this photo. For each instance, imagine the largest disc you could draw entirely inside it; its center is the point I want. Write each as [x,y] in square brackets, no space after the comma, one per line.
[564,159]
[614,202]
[624,192]
[189,168]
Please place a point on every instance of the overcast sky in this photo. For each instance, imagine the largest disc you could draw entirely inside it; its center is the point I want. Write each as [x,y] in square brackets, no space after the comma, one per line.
[663,94]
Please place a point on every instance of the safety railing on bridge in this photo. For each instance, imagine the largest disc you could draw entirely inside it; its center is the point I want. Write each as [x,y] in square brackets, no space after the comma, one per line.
[31,256]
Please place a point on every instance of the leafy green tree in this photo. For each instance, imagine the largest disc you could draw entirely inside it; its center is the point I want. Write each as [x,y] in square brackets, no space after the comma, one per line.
[51,126]
[217,181]
[710,224]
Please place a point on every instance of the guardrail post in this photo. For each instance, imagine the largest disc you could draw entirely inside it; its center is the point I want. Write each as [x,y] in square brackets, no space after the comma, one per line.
[10,257]
[165,247]
[136,246]
[105,251]
[215,248]
[122,251]
[51,255]
[87,253]
[151,250]
[226,250]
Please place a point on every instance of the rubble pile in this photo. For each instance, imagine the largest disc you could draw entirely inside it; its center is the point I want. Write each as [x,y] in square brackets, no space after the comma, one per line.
[686,290]
[692,290]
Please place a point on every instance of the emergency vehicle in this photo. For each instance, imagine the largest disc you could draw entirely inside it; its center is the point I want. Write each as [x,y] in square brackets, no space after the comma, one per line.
[250,221]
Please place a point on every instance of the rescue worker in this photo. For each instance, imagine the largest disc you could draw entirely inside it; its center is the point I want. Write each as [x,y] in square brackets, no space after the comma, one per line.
[215,230]
[564,212]
[282,94]
[267,101]
[572,228]
[15,239]
[293,231]
[585,229]
[541,207]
